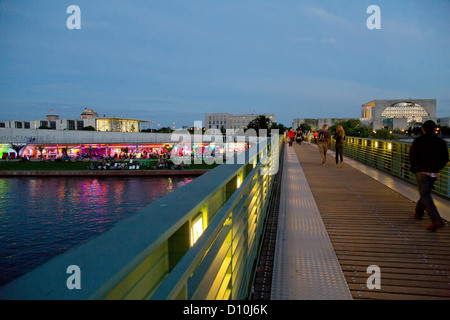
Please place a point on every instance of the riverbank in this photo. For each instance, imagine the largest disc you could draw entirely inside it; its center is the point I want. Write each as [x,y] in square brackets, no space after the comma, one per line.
[184,172]
[92,168]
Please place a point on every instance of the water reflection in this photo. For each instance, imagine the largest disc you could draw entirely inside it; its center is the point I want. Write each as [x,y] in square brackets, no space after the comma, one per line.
[42,217]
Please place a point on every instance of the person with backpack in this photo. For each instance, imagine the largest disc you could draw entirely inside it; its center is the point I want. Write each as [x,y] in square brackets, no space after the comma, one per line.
[339,137]
[427,156]
[324,143]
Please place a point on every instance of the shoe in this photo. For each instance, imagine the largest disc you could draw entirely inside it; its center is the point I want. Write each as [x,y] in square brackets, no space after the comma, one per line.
[417,217]
[341,164]
[435,225]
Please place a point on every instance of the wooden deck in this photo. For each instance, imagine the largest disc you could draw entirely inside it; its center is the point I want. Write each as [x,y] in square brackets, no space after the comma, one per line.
[371,224]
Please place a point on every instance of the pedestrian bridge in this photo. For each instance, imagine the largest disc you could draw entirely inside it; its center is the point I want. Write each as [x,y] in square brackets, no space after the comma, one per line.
[264,228]
[336,225]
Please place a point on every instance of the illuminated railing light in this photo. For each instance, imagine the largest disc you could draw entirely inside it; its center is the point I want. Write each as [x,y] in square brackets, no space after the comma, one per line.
[196,229]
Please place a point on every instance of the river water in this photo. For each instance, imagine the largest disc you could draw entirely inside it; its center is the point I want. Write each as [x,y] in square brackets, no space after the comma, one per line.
[41,217]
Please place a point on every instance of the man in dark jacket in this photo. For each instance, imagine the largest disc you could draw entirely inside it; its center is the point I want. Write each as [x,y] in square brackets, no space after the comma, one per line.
[427,156]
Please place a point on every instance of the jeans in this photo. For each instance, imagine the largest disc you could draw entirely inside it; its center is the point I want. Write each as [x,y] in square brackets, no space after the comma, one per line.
[425,184]
[339,150]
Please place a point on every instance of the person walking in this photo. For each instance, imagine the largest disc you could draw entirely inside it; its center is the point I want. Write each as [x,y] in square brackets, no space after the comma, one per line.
[323,142]
[339,137]
[291,136]
[427,156]
[299,137]
[315,134]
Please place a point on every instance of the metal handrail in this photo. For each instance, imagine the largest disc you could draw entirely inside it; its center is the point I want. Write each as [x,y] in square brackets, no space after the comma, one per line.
[219,265]
[391,157]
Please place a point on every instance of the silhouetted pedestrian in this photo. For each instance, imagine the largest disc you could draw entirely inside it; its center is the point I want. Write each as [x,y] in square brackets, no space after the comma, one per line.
[427,156]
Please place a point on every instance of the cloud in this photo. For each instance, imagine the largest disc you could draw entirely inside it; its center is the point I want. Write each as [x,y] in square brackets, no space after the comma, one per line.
[317,13]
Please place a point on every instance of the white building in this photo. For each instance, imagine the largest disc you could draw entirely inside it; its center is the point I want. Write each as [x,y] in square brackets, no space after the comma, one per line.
[232,121]
[89,118]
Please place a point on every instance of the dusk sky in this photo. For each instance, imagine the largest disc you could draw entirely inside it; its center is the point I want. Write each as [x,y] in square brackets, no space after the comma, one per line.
[175,60]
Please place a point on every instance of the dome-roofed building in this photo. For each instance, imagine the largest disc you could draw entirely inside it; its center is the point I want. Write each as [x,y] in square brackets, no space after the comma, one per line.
[88,113]
[398,114]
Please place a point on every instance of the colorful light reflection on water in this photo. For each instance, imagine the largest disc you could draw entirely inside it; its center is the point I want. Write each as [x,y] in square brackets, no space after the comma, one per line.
[42,217]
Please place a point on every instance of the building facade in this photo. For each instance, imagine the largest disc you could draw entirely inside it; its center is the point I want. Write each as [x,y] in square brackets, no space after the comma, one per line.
[444,122]
[398,114]
[232,121]
[89,118]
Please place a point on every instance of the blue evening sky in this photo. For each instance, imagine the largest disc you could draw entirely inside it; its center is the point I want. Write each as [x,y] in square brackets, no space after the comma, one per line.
[175,60]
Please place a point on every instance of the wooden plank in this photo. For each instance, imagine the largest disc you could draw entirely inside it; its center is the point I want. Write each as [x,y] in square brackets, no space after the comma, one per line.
[369,223]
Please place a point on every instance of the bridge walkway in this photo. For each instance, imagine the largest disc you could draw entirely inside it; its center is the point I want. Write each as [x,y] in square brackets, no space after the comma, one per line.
[334,223]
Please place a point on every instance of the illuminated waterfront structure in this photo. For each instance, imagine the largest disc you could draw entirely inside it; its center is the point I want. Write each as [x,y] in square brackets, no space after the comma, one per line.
[130,150]
[50,144]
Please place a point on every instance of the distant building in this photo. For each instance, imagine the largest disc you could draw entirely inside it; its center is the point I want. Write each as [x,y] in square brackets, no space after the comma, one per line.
[88,118]
[444,122]
[316,123]
[398,114]
[232,121]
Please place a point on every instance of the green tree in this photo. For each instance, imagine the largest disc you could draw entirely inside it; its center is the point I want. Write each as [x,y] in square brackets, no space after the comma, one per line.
[278,126]
[384,134]
[261,122]
[164,130]
[352,127]
[89,128]
[304,127]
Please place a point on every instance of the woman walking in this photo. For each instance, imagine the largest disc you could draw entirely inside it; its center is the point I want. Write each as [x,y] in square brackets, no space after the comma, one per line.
[339,137]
